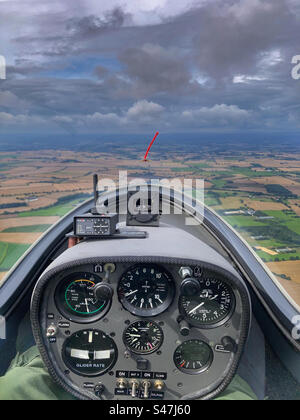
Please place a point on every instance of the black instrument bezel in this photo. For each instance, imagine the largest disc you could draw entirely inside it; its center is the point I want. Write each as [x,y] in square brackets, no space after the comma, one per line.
[91,375]
[195,371]
[208,326]
[80,319]
[149,313]
[143,353]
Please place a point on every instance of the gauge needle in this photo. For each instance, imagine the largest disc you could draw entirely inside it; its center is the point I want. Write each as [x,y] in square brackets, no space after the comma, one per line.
[87,306]
[197,307]
[131,293]
[215,297]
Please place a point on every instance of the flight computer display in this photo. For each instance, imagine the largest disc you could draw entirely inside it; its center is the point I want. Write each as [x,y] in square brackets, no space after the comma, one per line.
[95,226]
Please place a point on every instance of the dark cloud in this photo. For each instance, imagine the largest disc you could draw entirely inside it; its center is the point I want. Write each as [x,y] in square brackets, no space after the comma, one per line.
[232,38]
[155,69]
[91,26]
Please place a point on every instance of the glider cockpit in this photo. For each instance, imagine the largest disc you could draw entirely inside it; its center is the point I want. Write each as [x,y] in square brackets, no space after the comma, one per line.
[147,306]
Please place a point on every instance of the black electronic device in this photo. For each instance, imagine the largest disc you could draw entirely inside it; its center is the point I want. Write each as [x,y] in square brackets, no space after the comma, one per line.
[94,224]
[91,225]
[143,208]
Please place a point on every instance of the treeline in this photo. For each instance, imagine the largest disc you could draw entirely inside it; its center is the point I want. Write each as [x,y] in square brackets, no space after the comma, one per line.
[279,232]
[276,189]
[12,205]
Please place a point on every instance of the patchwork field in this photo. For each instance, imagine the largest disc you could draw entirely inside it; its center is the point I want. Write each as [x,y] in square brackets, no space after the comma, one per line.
[257,193]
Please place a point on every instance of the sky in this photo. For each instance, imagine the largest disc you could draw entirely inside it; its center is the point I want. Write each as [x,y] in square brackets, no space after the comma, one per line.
[114,66]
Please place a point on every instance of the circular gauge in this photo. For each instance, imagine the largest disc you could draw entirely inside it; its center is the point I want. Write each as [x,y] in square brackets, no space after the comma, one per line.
[146,290]
[193,357]
[209,308]
[76,299]
[143,337]
[90,353]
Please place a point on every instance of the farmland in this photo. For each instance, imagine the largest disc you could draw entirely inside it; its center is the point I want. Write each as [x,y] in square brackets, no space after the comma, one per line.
[258,193]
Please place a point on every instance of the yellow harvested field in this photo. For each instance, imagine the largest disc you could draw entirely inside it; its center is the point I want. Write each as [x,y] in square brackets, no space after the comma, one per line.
[19,238]
[264,205]
[291,169]
[280,180]
[6,200]
[292,288]
[230,203]
[44,188]
[266,250]
[26,221]
[289,268]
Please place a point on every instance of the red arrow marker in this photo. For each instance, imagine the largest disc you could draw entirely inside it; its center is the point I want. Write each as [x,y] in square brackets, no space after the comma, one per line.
[150,145]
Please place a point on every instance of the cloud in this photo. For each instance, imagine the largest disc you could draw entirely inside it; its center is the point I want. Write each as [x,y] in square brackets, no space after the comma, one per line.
[141,112]
[91,26]
[20,120]
[144,108]
[156,69]
[9,101]
[130,65]
[217,116]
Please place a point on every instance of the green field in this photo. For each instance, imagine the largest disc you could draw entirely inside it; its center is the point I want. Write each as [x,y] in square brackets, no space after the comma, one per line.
[249,173]
[27,229]
[243,221]
[58,210]
[289,219]
[211,200]
[219,183]
[10,253]
[192,168]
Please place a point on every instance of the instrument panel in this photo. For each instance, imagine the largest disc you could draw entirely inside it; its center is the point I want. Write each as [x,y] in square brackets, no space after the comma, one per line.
[141,330]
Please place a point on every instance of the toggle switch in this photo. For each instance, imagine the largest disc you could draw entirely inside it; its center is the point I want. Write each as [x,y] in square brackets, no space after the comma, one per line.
[51,331]
[121,383]
[159,385]
[146,387]
[134,387]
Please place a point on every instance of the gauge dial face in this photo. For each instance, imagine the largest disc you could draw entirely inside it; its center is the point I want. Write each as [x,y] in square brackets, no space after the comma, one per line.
[146,290]
[210,308]
[90,353]
[193,357]
[143,337]
[75,296]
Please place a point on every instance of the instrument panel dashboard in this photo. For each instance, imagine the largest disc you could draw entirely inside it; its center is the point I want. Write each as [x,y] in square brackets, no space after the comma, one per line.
[128,329]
